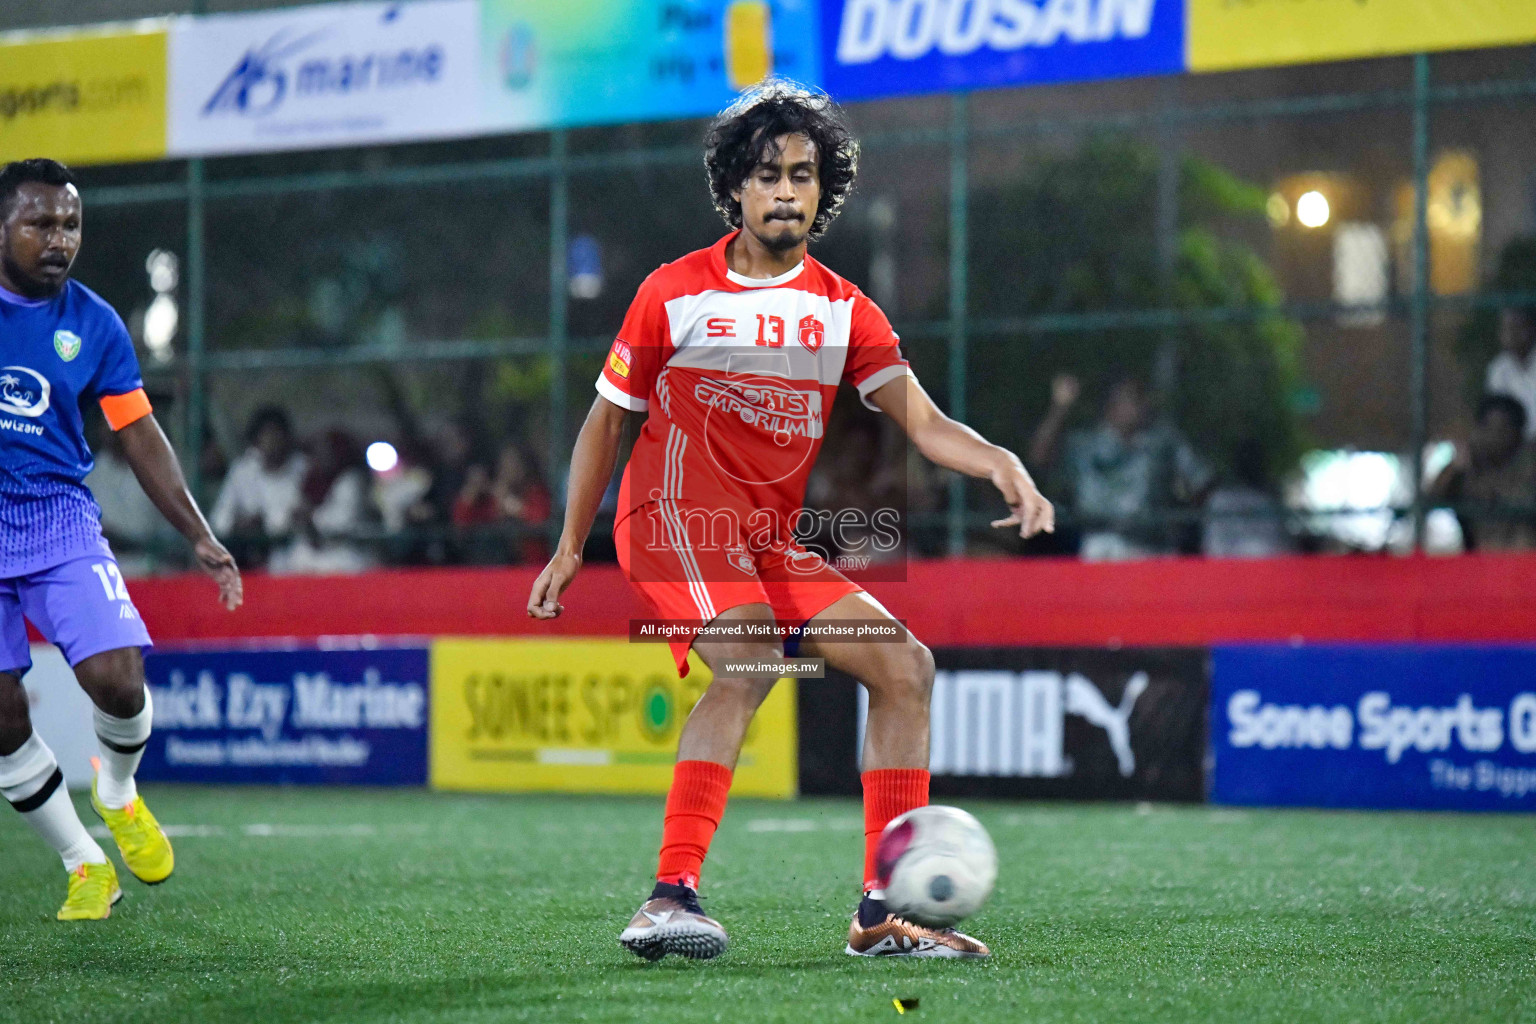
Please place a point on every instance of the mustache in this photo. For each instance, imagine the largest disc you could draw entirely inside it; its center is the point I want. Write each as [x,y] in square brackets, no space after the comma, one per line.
[785,215]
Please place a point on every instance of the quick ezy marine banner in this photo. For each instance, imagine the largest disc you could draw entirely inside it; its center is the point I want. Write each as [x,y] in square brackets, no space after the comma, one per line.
[308,715]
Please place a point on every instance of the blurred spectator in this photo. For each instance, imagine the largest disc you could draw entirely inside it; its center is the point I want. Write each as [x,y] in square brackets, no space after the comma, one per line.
[515,494]
[457,464]
[1513,371]
[263,490]
[335,510]
[476,505]
[1120,475]
[212,461]
[398,492]
[1493,479]
[1243,517]
[458,454]
[129,520]
[523,497]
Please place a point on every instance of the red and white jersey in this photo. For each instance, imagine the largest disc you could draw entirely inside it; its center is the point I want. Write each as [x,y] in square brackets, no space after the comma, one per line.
[738,376]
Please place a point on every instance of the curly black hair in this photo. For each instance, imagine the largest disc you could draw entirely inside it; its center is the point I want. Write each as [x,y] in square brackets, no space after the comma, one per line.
[743,135]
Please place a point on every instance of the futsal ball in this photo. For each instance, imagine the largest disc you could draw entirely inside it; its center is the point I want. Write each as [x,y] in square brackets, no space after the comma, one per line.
[936,865]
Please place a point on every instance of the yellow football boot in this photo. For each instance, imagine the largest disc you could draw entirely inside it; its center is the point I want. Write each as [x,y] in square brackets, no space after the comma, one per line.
[92,891]
[140,839]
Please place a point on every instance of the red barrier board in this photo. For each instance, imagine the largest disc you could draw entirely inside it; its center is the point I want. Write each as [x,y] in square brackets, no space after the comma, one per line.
[961,602]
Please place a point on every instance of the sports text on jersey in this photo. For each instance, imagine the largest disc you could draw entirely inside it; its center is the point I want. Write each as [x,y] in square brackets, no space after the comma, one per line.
[778,411]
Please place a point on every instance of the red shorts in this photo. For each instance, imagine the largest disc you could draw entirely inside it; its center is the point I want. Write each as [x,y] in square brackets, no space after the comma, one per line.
[714,569]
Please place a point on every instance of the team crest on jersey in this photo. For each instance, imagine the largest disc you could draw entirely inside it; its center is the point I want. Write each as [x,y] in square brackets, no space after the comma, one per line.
[742,561]
[812,333]
[23,392]
[620,358]
[66,344]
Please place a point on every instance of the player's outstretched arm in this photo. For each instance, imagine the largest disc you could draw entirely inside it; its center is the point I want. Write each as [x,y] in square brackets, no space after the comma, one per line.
[592,460]
[154,464]
[956,446]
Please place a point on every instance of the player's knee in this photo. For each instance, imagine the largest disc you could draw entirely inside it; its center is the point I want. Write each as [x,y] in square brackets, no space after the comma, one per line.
[13,707]
[738,669]
[115,681]
[908,674]
[919,669]
[747,691]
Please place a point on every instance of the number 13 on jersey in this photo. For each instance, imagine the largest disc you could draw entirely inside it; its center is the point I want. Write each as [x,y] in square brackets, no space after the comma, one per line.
[773,325]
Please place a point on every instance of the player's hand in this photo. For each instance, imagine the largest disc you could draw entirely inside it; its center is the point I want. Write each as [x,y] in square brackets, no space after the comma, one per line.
[215,560]
[1031,513]
[544,599]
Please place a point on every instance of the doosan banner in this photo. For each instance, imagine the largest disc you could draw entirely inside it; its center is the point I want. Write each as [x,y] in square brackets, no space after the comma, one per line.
[327,717]
[1432,727]
[876,48]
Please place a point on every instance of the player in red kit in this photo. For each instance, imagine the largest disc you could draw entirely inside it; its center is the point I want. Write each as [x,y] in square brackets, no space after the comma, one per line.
[735,354]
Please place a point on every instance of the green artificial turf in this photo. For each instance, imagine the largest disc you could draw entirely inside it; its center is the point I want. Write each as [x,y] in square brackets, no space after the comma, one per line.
[348,905]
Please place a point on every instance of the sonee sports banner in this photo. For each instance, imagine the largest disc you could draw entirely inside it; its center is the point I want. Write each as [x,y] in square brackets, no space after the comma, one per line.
[89,96]
[1432,727]
[1224,35]
[584,716]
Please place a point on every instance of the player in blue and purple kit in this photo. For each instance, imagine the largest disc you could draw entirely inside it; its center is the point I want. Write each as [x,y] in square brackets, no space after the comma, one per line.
[61,345]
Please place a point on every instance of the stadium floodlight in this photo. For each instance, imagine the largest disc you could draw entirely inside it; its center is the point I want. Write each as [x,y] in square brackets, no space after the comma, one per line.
[160,321]
[382,457]
[1312,209]
[163,315]
[1278,209]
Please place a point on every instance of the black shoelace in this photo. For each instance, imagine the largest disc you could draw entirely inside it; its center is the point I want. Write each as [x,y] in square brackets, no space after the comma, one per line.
[681,893]
[871,911]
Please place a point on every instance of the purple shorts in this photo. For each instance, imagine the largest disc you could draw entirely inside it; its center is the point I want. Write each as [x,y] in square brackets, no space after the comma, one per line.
[81,605]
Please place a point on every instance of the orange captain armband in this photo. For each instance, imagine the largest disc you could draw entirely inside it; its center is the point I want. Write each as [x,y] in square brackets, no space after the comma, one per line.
[122,410]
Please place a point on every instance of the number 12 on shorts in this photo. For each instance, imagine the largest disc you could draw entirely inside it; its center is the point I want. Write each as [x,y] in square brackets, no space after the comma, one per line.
[111,581]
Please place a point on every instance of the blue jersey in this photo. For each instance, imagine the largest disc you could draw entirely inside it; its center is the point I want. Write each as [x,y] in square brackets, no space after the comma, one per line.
[54,355]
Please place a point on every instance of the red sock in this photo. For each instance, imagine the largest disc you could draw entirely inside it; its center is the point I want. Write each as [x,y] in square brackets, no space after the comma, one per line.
[888,792]
[694,806]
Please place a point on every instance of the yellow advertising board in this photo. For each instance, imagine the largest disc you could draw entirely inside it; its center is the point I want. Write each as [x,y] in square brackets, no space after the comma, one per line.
[96,96]
[1228,34]
[584,716]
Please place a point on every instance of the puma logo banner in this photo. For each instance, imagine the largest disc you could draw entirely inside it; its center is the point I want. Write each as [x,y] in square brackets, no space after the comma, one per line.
[1084,724]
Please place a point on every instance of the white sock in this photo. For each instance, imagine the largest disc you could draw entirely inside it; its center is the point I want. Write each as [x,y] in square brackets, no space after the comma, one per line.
[122,748]
[30,779]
